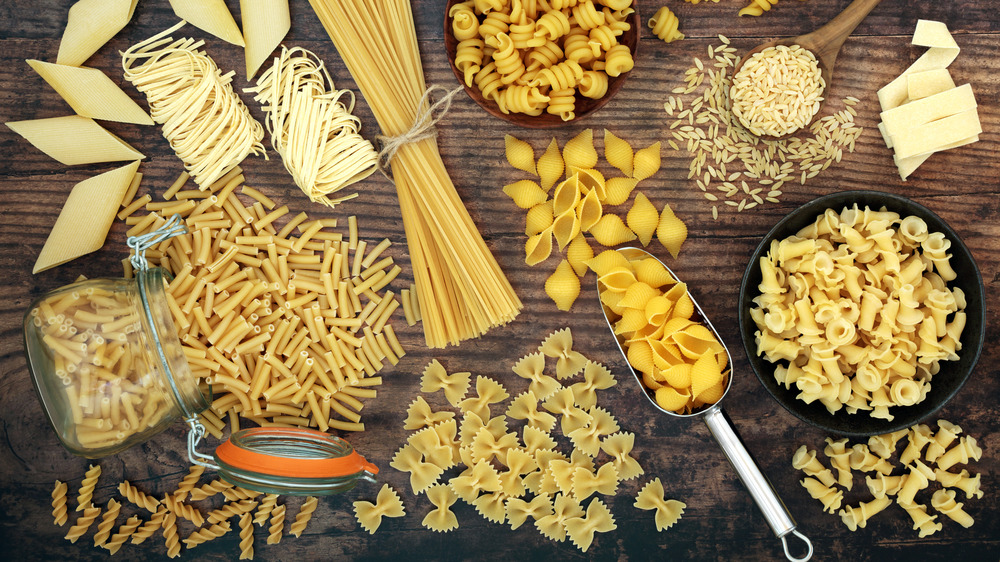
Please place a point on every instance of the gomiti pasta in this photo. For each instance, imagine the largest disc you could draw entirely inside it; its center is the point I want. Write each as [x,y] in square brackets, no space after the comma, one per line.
[462,291]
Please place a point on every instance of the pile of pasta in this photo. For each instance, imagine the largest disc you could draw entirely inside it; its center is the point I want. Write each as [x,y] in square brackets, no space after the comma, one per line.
[206,123]
[856,310]
[472,455]
[531,57]
[681,360]
[758,7]
[289,325]
[177,511]
[578,202]
[312,127]
[944,450]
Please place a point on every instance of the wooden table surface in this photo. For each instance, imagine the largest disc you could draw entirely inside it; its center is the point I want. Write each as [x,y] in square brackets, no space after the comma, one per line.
[721,521]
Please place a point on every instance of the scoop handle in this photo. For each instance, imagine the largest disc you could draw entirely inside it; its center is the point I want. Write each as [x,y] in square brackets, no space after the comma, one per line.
[760,489]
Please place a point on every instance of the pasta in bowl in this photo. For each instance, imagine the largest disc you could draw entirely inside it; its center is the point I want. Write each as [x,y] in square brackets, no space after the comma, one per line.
[537,64]
[862,312]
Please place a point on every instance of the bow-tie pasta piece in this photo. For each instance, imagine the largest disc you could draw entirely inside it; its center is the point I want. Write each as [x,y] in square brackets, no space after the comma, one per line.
[581,530]
[441,519]
[387,504]
[667,512]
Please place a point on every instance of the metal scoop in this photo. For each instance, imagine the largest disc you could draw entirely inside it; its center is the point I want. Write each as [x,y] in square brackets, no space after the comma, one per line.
[760,489]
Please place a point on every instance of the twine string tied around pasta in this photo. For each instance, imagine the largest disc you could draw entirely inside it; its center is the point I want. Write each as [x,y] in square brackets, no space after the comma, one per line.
[423,126]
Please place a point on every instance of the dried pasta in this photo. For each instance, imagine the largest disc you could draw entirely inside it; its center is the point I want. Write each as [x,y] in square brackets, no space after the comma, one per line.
[563,286]
[581,530]
[387,504]
[74,140]
[59,503]
[91,24]
[86,493]
[643,219]
[441,519]
[83,523]
[618,153]
[211,138]
[666,512]
[246,537]
[212,16]
[301,518]
[265,24]
[664,24]
[91,93]
[298,95]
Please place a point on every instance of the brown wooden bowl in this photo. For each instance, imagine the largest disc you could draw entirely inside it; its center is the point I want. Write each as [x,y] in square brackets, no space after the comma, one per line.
[584,106]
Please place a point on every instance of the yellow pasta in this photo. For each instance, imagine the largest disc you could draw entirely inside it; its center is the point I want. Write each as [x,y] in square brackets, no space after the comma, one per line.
[563,286]
[441,519]
[539,218]
[646,161]
[643,219]
[550,166]
[598,519]
[666,512]
[265,24]
[565,227]
[611,231]
[589,210]
[577,254]
[212,16]
[664,24]
[618,153]
[91,93]
[85,218]
[59,514]
[91,24]
[73,140]
[538,247]
[618,190]
[525,193]
[671,231]
[435,378]
[520,154]
[387,504]
[579,151]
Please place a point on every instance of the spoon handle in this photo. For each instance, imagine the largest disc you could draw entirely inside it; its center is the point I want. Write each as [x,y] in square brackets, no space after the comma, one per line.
[760,489]
[827,40]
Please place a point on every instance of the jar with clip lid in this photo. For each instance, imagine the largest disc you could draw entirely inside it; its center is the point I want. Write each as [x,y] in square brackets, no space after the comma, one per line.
[110,372]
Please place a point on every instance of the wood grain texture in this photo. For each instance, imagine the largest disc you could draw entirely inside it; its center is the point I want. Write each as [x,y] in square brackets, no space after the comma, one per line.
[721,522]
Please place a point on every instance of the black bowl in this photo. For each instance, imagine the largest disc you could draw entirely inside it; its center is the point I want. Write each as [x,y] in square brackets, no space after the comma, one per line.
[945,383]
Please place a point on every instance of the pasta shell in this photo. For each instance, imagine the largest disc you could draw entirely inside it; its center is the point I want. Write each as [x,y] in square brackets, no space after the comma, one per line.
[563,286]
[677,376]
[565,227]
[617,279]
[657,308]
[665,355]
[714,393]
[618,190]
[671,400]
[611,300]
[618,152]
[643,218]
[640,356]
[651,272]
[632,321]
[579,151]
[611,231]
[566,196]
[525,193]
[671,231]
[578,253]
[646,162]
[705,374]
[591,179]
[608,260]
[684,307]
[538,218]
[520,154]
[538,247]
[637,295]
[589,210]
[550,166]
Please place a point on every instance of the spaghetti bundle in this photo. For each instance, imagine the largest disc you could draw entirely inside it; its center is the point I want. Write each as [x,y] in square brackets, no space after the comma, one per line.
[461,290]
[312,127]
[207,125]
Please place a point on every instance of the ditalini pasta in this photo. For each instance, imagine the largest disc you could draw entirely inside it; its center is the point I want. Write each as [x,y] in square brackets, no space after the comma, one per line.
[91,24]
[85,218]
[75,140]
[265,24]
[212,16]
[312,127]
[207,125]
[462,291]
[91,93]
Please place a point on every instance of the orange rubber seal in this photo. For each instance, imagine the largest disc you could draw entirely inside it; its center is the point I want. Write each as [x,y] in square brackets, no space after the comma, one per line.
[292,467]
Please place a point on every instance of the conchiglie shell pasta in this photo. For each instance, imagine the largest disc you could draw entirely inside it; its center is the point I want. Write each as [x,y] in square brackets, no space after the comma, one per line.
[210,15]
[565,227]
[618,153]
[525,193]
[589,210]
[678,375]
[643,219]
[671,399]
[91,93]
[265,24]
[592,180]
[640,356]
[608,260]
[566,195]
[91,24]
[651,272]
[538,218]
[637,295]
[618,190]
[578,253]
[563,286]
[550,166]
[611,231]
[705,374]
[671,231]
[75,140]
[617,279]
[520,154]
[646,162]
[538,247]
[579,151]
[657,308]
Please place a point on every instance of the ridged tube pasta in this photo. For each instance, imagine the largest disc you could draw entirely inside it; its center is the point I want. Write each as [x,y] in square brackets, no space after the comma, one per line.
[757,7]
[552,25]
[509,63]
[469,58]
[664,25]
[562,76]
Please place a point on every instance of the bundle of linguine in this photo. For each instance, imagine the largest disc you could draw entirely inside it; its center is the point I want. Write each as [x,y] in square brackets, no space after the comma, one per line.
[461,289]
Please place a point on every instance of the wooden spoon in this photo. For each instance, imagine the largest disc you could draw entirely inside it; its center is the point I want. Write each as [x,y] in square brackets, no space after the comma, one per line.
[825,44]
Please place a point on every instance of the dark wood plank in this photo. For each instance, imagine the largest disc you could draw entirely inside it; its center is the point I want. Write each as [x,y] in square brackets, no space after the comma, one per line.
[721,522]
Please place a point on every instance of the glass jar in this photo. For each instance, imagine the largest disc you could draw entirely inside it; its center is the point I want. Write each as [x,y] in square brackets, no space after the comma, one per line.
[107,363]
[110,372]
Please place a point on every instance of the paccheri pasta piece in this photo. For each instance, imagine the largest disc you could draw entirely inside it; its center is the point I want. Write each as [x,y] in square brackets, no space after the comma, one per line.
[86,217]
[91,24]
[91,93]
[898,294]
[74,140]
